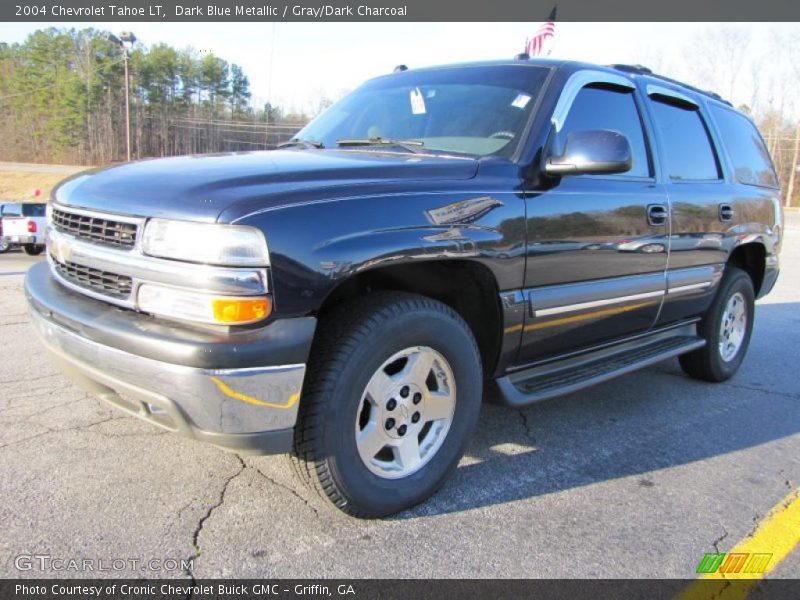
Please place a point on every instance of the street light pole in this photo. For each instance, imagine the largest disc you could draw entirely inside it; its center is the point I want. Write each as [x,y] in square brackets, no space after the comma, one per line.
[127,104]
[129,38]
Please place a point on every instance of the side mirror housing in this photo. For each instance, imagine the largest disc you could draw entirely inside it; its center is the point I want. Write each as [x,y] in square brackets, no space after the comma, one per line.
[592,152]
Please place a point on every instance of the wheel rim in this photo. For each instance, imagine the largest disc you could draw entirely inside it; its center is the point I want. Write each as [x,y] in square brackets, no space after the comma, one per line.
[405,413]
[733,327]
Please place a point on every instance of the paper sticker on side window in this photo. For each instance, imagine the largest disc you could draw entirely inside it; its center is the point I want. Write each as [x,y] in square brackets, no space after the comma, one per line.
[417,102]
[521,101]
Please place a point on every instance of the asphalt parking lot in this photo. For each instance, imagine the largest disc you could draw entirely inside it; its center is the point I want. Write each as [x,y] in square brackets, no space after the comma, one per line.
[638,477]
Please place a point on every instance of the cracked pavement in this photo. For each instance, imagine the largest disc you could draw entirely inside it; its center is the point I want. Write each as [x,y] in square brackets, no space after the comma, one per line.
[650,466]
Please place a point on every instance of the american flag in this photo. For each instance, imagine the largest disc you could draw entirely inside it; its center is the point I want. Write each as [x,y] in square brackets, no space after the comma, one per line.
[535,45]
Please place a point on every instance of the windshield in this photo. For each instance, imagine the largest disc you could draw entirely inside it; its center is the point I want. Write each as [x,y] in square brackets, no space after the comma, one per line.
[468,110]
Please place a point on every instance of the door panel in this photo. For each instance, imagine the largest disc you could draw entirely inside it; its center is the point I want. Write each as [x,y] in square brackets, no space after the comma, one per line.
[707,216]
[702,238]
[595,268]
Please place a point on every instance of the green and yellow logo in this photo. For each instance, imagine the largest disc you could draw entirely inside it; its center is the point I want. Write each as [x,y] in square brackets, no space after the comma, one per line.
[734,562]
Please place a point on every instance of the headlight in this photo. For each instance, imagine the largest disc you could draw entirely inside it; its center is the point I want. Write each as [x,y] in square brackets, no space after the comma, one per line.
[189,305]
[208,243]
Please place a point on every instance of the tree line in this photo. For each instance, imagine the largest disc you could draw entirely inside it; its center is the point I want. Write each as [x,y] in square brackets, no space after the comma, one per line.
[761,77]
[62,97]
[62,100]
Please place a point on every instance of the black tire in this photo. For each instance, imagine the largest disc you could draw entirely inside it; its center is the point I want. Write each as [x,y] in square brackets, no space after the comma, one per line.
[707,363]
[32,249]
[353,342]
[4,247]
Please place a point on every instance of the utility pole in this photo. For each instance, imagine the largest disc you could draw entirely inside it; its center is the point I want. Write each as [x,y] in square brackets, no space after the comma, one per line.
[126,37]
[127,104]
[793,171]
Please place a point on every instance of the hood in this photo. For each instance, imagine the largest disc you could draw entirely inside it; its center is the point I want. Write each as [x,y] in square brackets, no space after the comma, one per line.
[200,188]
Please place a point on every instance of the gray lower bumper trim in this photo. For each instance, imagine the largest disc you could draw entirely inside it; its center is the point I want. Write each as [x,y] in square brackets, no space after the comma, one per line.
[250,409]
[279,441]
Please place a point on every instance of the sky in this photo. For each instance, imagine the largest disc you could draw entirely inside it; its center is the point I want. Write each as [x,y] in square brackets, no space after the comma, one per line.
[296,64]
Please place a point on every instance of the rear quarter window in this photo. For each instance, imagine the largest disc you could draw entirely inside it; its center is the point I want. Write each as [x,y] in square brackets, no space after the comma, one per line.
[751,162]
[688,151]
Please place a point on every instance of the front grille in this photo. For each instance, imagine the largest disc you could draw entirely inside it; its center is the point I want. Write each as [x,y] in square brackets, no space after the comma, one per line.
[102,282]
[98,230]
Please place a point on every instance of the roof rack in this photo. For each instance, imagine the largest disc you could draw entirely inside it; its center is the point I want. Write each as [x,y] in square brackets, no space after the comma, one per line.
[642,70]
[639,69]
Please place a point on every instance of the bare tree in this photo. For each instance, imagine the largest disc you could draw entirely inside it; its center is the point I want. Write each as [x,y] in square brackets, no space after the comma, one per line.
[792,46]
[718,58]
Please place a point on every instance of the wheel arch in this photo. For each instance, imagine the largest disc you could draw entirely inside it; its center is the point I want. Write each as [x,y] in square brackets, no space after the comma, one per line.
[468,287]
[750,258]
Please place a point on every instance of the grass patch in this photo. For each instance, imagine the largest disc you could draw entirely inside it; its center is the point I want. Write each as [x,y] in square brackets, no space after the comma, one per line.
[18,186]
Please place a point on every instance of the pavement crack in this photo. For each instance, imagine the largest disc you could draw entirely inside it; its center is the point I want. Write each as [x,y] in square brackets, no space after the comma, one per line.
[29,379]
[43,411]
[51,430]
[289,489]
[716,542]
[30,437]
[526,425]
[201,523]
[749,388]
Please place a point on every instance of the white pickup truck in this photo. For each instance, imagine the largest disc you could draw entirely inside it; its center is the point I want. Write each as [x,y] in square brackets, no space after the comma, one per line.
[23,224]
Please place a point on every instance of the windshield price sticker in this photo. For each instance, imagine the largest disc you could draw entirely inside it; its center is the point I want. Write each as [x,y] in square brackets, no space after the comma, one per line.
[417,102]
[521,101]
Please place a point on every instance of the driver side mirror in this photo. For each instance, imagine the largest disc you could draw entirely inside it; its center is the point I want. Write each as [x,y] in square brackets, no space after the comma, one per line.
[592,152]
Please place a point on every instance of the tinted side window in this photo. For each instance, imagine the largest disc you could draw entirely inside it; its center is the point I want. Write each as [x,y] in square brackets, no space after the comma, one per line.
[687,145]
[33,210]
[603,108]
[12,210]
[751,162]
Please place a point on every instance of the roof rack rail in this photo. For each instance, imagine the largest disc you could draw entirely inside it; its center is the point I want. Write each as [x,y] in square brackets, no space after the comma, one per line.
[642,70]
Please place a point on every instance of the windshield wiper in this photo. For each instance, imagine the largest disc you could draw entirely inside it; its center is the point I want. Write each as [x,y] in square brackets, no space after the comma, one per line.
[410,145]
[302,143]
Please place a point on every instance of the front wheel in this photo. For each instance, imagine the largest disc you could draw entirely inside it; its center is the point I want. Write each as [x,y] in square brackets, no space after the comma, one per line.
[391,398]
[33,249]
[726,328]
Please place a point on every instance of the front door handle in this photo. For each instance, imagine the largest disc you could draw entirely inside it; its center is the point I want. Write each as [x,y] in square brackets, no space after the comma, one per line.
[657,215]
[726,213]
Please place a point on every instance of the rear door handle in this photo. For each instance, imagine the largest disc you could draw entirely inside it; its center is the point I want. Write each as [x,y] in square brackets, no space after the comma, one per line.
[726,212]
[657,215]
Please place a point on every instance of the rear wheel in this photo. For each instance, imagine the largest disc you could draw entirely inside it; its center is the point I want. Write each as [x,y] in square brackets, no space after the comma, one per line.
[33,249]
[391,398]
[726,328]
[4,246]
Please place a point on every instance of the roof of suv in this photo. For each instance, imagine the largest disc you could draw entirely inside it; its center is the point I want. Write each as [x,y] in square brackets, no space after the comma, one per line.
[629,71]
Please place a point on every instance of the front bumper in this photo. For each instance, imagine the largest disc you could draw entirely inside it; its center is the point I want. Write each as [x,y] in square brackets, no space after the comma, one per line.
[238,391]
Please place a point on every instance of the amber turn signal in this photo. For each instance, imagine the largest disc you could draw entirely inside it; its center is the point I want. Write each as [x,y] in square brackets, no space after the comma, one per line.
[241,310]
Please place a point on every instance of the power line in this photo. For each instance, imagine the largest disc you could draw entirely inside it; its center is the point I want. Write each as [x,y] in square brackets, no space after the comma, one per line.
[260,144]
[232,122]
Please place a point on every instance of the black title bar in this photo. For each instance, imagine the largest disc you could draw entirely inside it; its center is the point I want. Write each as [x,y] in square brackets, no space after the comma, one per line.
[397,10]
